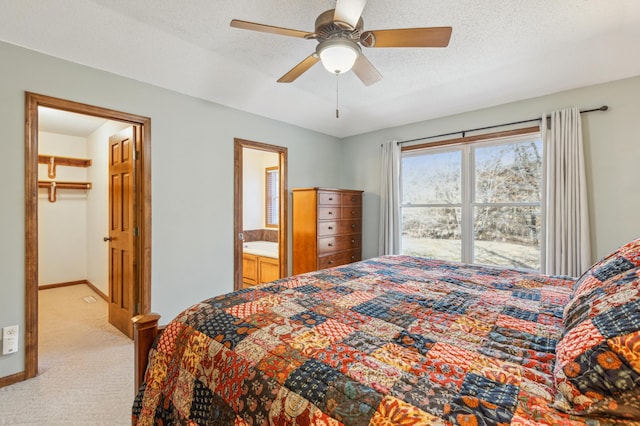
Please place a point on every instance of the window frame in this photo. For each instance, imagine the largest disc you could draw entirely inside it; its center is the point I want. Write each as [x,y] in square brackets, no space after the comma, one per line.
[468,202]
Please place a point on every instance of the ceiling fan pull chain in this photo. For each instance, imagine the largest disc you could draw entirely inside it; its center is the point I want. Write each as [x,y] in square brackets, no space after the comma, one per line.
[337,98]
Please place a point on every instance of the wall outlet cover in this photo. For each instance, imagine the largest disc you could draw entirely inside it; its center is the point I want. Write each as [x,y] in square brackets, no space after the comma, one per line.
[10,340]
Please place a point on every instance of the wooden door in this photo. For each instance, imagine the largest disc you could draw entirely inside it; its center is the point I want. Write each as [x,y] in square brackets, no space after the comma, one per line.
[122,253]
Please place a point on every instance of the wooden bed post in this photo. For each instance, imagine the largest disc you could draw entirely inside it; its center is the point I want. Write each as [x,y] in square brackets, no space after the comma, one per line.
[145,330]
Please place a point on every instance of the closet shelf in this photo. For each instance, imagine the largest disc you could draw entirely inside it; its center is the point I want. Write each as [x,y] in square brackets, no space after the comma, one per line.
[53,160]
[52,186]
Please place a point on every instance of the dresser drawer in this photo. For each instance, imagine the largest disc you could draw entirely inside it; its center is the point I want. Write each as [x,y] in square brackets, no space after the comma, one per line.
[329,198]
[352,212]
[329,213]
[351,199]
[349,226]
[326,229]
[338,243]
[338,259]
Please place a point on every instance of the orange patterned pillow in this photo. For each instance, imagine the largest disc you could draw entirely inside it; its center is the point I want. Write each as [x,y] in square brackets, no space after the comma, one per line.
[597,368]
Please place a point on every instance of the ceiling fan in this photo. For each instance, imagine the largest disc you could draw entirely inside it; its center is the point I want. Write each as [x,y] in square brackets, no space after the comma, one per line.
[339,33]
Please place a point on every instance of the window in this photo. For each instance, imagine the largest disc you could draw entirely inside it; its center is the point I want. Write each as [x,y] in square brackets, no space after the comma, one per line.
[475,203]
[272,196]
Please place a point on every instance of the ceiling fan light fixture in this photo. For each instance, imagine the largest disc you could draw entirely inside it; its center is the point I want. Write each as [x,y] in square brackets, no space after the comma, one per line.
[338,56]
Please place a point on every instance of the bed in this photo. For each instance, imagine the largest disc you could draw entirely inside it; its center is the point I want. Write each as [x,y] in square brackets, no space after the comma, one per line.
[403,340]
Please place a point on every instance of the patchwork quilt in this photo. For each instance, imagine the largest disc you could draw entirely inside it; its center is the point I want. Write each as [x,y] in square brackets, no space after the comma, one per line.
[395,340]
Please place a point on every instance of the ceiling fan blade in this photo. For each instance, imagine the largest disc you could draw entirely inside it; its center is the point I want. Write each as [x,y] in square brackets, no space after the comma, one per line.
[246,25]
[349,11]
[365,71]
[407,37]
[299,69]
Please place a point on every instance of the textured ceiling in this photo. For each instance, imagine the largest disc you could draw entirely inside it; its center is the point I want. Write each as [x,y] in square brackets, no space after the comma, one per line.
[500,51]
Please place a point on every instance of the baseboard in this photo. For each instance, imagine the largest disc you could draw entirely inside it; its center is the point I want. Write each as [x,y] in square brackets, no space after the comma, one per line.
[14,378]
[97,290]
[70,283]
[58,285]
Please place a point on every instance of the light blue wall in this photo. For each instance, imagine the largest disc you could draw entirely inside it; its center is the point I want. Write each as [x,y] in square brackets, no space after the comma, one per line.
[192,177]
[192,170]
[612,154]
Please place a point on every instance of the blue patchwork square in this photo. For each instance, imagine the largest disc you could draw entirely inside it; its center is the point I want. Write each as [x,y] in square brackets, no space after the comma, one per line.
[224,328]
[340,289]
[307,289]
[504,395]
[373,309]
[527,294]
[456,302]
[619,321]
[423,393]
[208,407]
[311,380]
[612,268]
[522,314]
[415,341]
[522,339]
[602,371]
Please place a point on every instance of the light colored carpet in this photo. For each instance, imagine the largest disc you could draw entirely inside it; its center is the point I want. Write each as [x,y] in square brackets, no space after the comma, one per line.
[85,374]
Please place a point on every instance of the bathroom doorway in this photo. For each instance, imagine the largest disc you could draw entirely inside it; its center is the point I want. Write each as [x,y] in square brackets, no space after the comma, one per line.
[260,213]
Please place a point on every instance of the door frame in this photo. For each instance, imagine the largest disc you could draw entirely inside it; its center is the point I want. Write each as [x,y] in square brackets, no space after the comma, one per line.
[283,214]
[143,209]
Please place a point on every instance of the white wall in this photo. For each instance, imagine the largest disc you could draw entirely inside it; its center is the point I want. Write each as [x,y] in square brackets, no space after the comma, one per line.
[62,226]
[254,163]
[252,191]
[192,177]
[612,151]
[98,205]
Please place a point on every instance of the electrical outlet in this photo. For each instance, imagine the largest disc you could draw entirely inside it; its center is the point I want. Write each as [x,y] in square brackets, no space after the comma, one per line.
[9,340]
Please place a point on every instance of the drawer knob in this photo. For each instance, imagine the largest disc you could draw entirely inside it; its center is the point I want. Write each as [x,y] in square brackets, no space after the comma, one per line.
[329,227]
[353,212]
[330,245]
[353,198]
[330,262]
[330,213]
[353,241]
[330,198]
[353,226]
[353,257]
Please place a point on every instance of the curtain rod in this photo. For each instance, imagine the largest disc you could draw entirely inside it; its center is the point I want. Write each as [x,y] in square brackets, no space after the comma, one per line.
[463,132]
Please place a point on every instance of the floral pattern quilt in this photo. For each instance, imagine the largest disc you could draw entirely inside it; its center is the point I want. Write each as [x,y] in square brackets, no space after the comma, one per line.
[394,340]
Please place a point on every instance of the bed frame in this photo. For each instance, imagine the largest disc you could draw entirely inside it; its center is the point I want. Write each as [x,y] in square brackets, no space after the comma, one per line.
[145,331]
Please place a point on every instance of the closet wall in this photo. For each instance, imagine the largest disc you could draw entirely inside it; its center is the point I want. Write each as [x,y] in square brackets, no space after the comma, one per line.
[71,230]
[62,225]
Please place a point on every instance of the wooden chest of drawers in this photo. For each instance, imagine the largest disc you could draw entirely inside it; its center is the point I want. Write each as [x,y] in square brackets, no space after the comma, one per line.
[327,228]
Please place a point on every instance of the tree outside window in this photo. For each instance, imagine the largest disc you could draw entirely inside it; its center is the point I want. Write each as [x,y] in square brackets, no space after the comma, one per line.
[475,203]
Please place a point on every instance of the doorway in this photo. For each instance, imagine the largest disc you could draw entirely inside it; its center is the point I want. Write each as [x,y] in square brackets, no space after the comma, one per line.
[249,268]
[141,192]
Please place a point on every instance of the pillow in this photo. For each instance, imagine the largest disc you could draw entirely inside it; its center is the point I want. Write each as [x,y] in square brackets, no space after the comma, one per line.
[625,258]
[597,368]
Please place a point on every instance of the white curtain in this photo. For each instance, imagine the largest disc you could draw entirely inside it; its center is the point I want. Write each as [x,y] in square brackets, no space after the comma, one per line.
[389,239]
[568,243]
